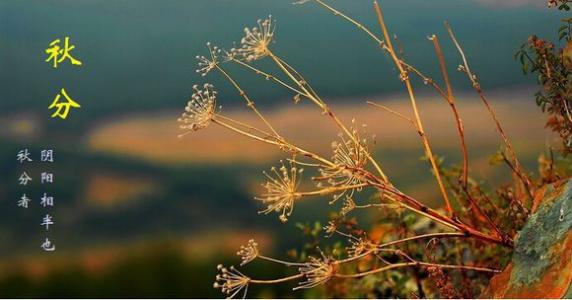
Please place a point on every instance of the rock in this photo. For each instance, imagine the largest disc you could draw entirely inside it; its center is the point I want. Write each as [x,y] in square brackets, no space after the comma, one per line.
[541,265]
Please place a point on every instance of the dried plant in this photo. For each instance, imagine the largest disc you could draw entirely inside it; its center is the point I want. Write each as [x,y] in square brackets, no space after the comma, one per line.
[200,110]
[349,155]
[249,252]
[282,190]
[255,43]
[474,234]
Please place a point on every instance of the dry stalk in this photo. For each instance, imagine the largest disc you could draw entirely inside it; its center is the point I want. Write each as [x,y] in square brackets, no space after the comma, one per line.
[451,100]
[405,78]
[518,169]
[347,171]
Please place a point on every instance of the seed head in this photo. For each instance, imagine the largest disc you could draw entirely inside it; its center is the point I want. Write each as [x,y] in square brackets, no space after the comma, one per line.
[281,190]
[350,156]
[254,45]
[317,271]
[248,252]
[200,110]
[348,206]
[231,282]
[359,246]
[330,228]
[206,64]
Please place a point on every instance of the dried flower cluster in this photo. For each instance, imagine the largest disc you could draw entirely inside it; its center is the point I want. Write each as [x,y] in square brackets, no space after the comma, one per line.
[248,252]
[207,64]
[200,110]
[350,156]
[317,271]
[470,214]
[254,45]
[281,190]
[231,281]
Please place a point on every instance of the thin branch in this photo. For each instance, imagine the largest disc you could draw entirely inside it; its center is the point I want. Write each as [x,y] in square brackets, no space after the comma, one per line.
[249,102]
[267,140]
[416,206]
[479,211]
[396,113]
[405,78]
[473,78]
[416,263]
[330,190]
[357,24]
[451,100]
[247,126]
[274,281]
[286,263]
[267,76]
[311,94]
[423,236]
[282,144]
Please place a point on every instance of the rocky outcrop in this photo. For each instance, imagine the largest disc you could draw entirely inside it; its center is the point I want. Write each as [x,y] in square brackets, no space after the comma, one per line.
[541,265]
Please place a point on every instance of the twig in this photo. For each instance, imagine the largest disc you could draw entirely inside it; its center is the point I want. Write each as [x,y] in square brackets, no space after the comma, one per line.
[391,111]
[451,100]
[416,263]
[267,76]
[274,281]
[249,102]
[419,124]
[311,94]
[473,78]
[423,236]
[279,261]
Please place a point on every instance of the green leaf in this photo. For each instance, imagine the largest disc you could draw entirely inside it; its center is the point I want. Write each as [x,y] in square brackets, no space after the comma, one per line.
[497,158]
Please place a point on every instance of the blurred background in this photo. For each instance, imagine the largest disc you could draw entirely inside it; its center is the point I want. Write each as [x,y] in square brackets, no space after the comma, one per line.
[140,212]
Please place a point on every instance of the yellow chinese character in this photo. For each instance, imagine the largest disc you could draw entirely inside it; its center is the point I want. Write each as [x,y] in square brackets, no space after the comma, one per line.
[59,54]
[63,108]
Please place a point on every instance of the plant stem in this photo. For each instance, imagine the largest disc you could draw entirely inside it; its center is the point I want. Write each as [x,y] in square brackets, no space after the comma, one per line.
[429,235]
[268,76]
[416,263]
[310,93]
[451,100]
[282,144]
[249,102]
[274,281]
[419,124]
[287,263]
[518,167]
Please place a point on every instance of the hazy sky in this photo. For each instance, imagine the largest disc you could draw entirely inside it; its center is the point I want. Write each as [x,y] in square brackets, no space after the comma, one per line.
[139,54]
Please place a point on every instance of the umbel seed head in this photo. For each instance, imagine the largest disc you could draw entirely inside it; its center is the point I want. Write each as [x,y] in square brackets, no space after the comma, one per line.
[249,252]
[281,190]
[254,45]
[200,110]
